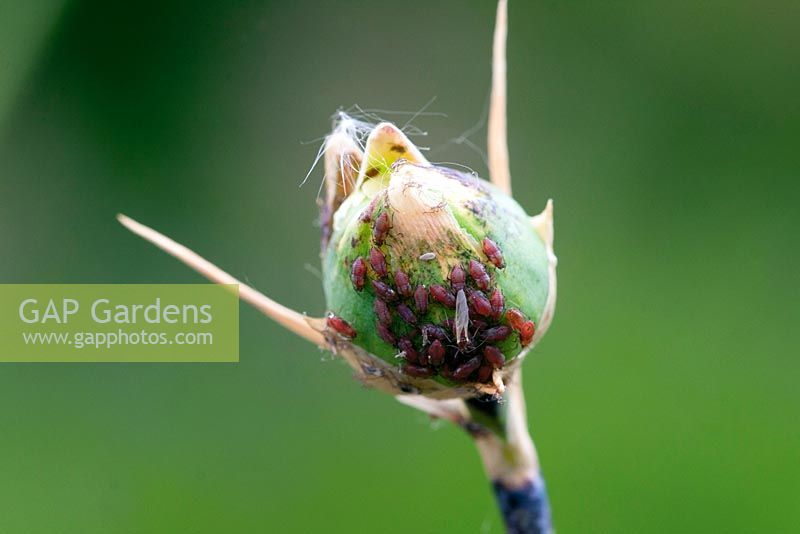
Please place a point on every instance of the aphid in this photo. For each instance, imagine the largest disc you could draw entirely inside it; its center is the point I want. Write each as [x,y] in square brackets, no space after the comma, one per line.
[358,273]
[381,228]
[478,273]
[421,299]
[405,345]
[461,326]
[384,291]
[480,303]
[366,215]
[428,256]
[526,332]
[492,252]
[497,333]
[494,356]
[515,319]
[406,314]
[436,353]
[478,326]
[485,373]
[382,311]
[403,283]
[432,331]
[467,368]
[386,334]
[378,261]
[498,303]
[446,371]
[418,370]
[458,277]
[341,326]
[443,296]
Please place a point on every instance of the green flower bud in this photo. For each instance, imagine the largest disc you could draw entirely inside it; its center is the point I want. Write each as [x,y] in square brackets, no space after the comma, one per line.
[435,280]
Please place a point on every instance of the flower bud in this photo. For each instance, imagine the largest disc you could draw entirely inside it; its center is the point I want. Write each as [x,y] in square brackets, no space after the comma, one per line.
[460,281]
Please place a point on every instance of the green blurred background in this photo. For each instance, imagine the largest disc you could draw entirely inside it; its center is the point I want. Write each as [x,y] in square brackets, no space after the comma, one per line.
[665,397]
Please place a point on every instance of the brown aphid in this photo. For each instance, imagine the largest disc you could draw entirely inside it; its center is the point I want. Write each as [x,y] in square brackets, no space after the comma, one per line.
[485,373]
[477,324]
[446,371]
[405,344]
[515,319]
[403,283]
[478,273]
[381,228]
[382,311]
[497,333]
[366,215]
[478,327]
[386,334]
[358,273]
[384,291]
[526,332]
[498,303]
[436,353]
[418,370]
[480,303]
[458,277]
[493,355]
[432,331]
[467,368]
[493,252]
[406,314]
[443,296]
[421,299]
[378,261]
[341,326]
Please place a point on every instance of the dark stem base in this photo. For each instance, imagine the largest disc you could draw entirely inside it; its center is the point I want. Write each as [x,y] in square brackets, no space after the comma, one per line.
[525,509]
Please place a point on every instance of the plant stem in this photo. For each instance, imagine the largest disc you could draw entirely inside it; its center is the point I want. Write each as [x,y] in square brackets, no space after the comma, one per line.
[526,509]
[501,435]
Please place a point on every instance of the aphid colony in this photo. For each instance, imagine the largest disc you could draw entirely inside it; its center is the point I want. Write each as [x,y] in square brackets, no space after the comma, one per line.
[450,329]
